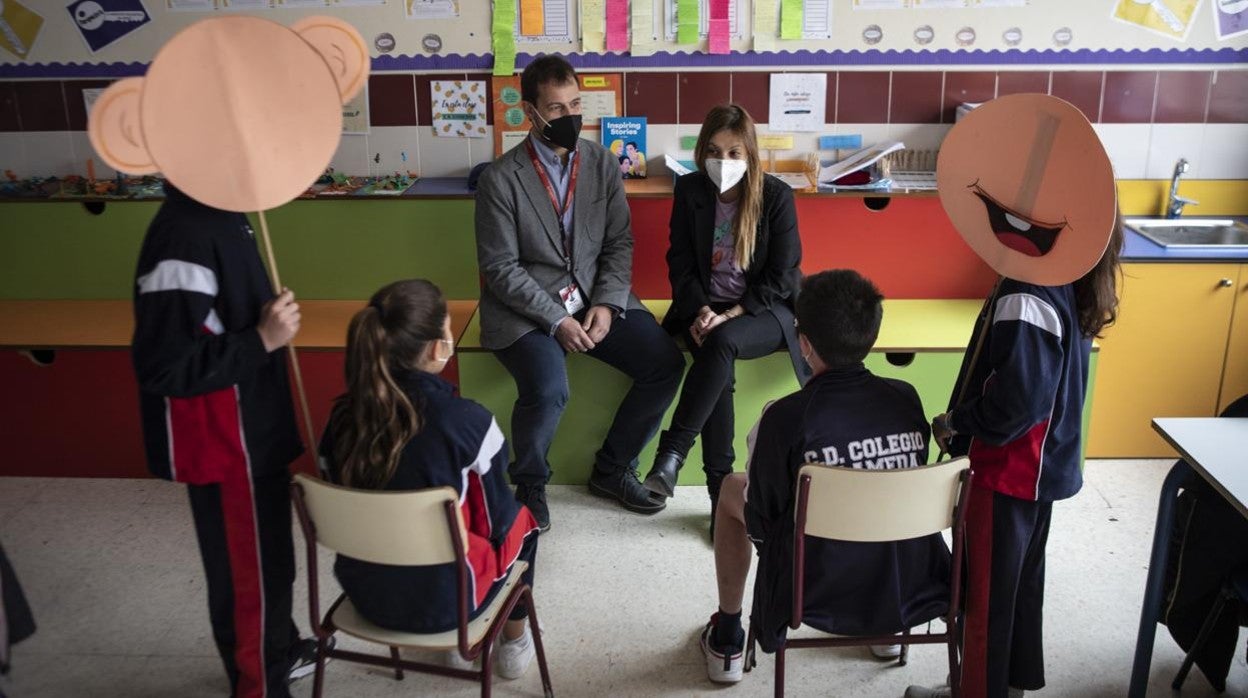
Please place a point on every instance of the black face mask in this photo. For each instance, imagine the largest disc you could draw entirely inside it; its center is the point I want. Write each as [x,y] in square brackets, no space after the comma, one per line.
[563,131]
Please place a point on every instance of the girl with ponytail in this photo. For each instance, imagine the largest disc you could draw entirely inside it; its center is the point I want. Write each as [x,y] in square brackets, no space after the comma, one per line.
[400,426]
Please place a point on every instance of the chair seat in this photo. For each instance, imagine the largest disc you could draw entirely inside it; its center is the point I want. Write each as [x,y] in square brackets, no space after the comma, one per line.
[349,621]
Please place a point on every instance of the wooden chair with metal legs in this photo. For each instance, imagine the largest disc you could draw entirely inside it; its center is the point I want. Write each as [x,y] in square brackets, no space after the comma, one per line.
[421,527]
[878,506]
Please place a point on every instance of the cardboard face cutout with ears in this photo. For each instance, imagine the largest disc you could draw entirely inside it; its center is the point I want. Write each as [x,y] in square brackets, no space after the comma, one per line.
[240,113]
[1029,187]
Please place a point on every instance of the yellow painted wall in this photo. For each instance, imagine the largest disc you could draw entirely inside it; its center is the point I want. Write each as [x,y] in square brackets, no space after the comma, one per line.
[1217,197]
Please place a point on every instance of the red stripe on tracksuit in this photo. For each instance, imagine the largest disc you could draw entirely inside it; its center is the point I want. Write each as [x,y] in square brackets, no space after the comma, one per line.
[1012,468]
[207,445]
[487,564]
[978,589]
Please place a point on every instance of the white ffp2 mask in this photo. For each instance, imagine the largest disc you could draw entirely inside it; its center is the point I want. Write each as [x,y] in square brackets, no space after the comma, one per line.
[725,173]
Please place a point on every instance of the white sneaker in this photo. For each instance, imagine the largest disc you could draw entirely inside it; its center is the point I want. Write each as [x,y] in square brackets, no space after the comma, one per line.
[515,656]
[721,667]
[886,651]
[455,660]
[926,692]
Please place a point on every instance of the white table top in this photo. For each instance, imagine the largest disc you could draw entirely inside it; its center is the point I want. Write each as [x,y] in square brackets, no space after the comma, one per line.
[1215,447]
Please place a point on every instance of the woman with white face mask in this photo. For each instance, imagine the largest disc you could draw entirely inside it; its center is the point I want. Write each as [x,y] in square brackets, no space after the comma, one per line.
[733,265]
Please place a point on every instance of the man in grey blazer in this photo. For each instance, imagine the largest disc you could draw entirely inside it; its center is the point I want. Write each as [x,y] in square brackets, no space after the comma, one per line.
[555,246]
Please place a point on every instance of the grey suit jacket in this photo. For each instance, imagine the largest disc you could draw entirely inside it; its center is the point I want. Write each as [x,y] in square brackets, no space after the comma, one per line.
[521,255]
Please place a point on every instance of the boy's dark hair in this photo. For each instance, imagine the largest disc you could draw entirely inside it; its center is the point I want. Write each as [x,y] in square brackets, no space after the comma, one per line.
[632,143]
[545,70]
[839,312]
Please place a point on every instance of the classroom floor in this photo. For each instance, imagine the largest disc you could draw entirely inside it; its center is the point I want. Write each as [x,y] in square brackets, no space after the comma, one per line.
[112,570]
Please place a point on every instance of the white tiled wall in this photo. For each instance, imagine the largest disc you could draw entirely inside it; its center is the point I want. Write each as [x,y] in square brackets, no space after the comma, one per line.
[443,157]
[50,153]
[1138,151]
[1224,153]
[351,156]
[1127,145]
[13,154]
[1168,143]
[389,145]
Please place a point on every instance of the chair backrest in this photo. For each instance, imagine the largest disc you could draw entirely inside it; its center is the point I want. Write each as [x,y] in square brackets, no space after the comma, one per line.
[392,528]
[879,505]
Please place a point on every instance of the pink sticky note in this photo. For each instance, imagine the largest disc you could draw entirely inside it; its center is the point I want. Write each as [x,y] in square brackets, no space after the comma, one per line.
[617,25]
[718,36]
[719,10]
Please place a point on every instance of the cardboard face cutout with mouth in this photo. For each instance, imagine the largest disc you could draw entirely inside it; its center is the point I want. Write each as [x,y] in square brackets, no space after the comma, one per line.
[1029,187]
[240,113]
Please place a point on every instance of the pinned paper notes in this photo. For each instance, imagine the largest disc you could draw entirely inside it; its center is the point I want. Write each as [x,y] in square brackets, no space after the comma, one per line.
[644,39]
[532,17]
[549,21]
[504,41]
[617,25]
[593,22]
[766,25]
[687,21]
[840,142]
[772,142]
[20,27]
[717,28]
[791,19]
[798,101]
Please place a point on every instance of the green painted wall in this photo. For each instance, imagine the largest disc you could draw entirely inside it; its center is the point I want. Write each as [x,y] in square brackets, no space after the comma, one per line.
[597,390]
[325,250]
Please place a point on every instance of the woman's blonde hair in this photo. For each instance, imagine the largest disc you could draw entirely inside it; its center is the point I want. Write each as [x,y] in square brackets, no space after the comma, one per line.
[374,419]
[736,120]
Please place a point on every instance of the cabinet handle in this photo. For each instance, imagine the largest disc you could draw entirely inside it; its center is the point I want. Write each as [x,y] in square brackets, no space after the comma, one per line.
[1225,283]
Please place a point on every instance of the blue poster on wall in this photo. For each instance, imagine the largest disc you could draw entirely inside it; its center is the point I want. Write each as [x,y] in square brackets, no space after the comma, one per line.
[102,22]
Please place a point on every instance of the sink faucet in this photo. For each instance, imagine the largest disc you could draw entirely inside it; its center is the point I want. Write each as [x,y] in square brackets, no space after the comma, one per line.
[1175,204]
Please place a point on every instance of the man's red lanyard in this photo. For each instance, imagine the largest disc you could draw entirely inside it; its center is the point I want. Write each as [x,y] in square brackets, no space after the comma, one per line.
[554,197]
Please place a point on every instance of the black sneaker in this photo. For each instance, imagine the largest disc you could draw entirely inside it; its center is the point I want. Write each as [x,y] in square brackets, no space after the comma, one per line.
[534,497]
[303,656]
[624,487]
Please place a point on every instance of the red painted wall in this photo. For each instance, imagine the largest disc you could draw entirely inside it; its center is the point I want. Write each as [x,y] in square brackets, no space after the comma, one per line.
[79,417]
[909,249]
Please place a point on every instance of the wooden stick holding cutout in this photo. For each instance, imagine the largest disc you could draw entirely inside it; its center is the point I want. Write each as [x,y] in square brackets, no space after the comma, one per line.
[249,130]
[276,278]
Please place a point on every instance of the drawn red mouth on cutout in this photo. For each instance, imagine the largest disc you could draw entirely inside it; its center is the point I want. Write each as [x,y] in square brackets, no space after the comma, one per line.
[1016,231]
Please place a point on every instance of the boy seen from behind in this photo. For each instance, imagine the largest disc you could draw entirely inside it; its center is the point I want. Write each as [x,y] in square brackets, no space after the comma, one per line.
[844,417]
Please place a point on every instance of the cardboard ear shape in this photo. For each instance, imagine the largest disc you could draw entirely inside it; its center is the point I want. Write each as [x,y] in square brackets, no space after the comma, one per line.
[115,129]
[343,49]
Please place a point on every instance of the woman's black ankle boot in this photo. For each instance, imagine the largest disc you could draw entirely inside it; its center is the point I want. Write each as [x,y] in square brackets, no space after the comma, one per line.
[662,478]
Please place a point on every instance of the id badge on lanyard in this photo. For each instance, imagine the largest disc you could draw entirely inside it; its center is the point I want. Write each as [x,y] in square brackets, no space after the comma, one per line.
[573,300]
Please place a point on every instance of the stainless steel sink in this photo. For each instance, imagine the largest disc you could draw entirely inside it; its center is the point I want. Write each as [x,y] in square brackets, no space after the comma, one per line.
[1192,232]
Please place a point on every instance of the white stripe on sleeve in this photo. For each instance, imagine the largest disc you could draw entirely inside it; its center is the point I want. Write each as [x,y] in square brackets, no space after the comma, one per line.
[178,275]
[1030,309]
[491,444]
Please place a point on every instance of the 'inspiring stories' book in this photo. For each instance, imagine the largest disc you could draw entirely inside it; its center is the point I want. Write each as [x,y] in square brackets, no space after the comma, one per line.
[625,137]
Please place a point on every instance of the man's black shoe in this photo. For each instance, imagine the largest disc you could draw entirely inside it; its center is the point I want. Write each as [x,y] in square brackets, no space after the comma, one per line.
[624,487]
[534,497]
